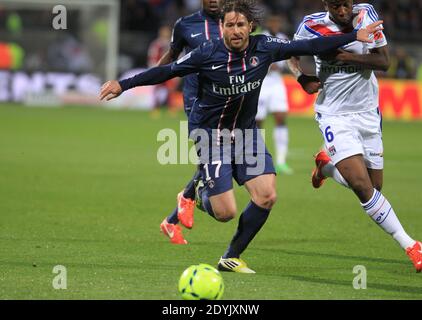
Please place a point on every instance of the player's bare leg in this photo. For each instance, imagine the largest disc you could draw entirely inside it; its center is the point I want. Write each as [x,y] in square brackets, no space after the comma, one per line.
[354,171]
[377,178]
[366,185]
[262,190]
[263,196]
[223,206]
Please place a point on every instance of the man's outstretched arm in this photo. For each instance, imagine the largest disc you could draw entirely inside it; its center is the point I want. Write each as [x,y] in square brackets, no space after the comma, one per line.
[377,59]
[113,88]
[186,65]
[326,44]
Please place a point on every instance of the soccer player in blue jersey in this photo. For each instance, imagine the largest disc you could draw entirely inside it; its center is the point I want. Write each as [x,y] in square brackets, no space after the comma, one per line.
[231,72]
[189,32]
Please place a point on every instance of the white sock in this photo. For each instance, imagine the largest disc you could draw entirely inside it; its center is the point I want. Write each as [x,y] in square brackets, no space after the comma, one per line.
[330,170]
[281,140]
[380,210]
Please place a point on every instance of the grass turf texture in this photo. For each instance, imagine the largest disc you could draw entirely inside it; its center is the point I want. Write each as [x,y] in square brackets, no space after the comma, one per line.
[82,188]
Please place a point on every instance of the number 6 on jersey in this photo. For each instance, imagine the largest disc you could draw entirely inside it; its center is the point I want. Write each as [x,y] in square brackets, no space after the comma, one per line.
[329,135]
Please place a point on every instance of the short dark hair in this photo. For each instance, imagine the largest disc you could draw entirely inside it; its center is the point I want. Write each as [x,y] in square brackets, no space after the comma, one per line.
[332,1]
[249,8]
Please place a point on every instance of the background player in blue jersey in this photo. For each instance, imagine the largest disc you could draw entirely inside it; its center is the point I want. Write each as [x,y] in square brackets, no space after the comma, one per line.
[231,72]
[189,32]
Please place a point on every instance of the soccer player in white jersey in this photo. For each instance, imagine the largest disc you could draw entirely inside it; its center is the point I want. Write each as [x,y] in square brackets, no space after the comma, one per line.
[348,114]
[273,99]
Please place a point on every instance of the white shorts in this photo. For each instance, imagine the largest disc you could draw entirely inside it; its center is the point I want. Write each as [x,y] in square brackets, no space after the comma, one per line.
[273,96]
[352,134]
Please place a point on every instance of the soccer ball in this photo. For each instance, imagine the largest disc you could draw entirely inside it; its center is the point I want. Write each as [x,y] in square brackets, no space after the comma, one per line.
[201,282]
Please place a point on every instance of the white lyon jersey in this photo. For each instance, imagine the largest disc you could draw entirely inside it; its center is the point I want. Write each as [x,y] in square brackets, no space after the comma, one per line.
[346,88]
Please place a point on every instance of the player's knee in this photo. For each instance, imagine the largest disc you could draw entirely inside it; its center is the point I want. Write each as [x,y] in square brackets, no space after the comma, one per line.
[226,214]
[362,188]
[266,200]
[378,186]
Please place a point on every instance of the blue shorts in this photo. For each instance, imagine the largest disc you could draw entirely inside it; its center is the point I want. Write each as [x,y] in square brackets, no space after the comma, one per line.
[236,160]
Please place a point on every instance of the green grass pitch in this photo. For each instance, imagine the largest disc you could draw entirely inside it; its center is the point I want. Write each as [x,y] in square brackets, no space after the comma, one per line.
[82,188]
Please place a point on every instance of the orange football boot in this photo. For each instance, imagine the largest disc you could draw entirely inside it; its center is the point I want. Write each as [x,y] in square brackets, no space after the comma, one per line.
[321,159]
[185,209]
[173,231]
[415,254]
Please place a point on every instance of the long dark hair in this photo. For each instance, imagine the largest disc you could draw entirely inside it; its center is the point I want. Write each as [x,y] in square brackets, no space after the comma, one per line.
[249,8]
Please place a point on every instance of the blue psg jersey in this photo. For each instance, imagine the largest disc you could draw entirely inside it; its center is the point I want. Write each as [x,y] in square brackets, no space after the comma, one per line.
[230,82]
[189,33]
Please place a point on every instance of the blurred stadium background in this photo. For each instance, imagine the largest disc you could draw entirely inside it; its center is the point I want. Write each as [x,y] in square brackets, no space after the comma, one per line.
[81,186]
[111,38]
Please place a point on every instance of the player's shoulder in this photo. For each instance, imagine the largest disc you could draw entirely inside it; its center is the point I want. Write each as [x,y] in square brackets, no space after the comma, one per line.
[315,17]
[192,18]
[184,24]
[265,39]
[280,35]
[364,6]
[208,48]
[305,28]
[369,8]
[265,43]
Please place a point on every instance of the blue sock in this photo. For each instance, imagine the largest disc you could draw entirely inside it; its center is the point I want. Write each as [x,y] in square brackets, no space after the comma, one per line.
[173,217]
[206,203]
[189,192]
[250,222]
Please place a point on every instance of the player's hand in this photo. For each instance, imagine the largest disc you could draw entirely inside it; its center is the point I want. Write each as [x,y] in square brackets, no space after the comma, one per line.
[110,90]
[367,34]
[311,84]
